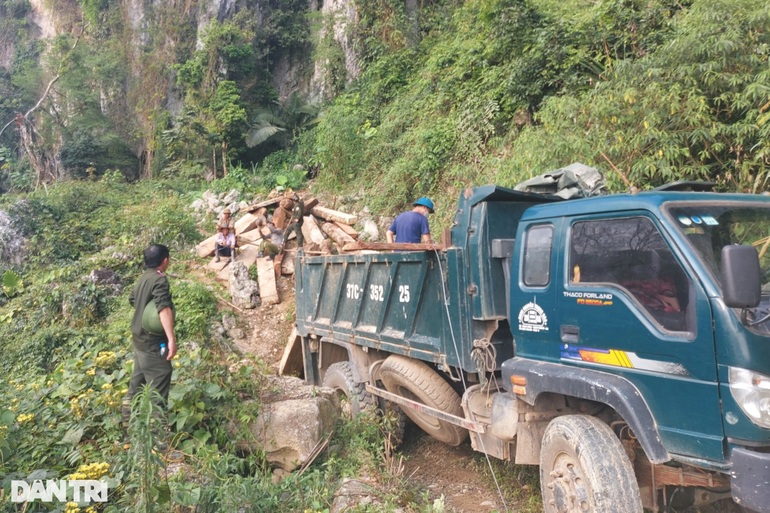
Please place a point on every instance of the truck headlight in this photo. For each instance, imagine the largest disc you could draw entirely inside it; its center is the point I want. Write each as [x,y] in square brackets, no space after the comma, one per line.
[751,390]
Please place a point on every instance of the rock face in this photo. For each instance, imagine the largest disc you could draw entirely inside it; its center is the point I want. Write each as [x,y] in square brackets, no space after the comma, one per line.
[12,249]
[344,14]
[244,290]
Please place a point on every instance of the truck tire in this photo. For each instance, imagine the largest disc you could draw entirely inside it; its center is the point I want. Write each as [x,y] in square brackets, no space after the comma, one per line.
[414,380]
[583,468]
[354,397]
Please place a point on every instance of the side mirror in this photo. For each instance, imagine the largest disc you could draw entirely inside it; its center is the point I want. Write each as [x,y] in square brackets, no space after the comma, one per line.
[741,286]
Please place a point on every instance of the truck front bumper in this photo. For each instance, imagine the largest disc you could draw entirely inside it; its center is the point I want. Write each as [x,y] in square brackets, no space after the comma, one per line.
[750,479]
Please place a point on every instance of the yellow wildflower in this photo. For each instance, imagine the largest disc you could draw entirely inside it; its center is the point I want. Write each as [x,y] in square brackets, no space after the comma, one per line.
[25,417]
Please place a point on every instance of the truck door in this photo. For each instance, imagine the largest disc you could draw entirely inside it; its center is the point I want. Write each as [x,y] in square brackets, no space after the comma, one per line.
[631,306]
[533,304]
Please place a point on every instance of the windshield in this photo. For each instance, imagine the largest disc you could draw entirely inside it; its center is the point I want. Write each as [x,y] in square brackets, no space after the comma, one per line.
[709,227]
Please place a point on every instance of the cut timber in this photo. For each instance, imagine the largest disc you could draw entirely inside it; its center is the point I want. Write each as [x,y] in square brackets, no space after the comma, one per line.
[337,234]
[264,204]
[224,273]
[347,229]
[278,265]
[292,362]
[310,202]
[249,237]
[206,248]
[266,277]
[334,215]
[246,223]
[287,264]
[387,246]
[215,266]
[281,217]
[248,255]
[311,232]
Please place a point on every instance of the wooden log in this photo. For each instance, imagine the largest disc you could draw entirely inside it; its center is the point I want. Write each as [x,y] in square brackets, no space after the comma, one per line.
[215,266]
[386,246]
[224,274]
[249,237]
[311,231]
[281,217]
[264,204]
[310,202]
[206,248]
[334,215]
[292,360]
[278,264]
[246,223]
[337,234]
[248,254]
[287,263]
[347,229]
[266,278]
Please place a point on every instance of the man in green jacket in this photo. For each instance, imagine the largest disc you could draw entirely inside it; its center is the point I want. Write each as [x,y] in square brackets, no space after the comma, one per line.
[150,365]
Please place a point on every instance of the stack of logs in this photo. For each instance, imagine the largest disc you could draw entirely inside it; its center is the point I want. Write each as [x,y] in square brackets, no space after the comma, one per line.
[319,223]
[324,230]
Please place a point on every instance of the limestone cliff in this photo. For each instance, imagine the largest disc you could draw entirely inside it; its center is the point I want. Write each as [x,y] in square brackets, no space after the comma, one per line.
[145,41]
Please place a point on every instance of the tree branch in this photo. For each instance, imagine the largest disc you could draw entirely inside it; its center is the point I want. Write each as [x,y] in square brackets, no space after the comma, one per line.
[50,84]
[618,171]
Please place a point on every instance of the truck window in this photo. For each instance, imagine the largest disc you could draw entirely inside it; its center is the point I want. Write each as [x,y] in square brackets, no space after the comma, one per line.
[710,227]
[631,253]
[537,256]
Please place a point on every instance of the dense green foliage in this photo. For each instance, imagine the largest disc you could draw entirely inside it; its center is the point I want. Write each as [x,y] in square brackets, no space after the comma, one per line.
[450,94]
[496,91]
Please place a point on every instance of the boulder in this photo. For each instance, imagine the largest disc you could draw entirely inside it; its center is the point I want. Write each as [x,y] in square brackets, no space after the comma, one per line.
[370,232]
[287,432]
[294,418]
[244,290]
[233,196]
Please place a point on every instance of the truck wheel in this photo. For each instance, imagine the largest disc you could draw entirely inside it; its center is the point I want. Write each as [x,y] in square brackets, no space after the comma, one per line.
[355,398]
[416,381]
[583,468]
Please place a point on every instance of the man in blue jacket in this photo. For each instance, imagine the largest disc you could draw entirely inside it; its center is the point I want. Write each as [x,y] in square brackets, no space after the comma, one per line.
[412,226]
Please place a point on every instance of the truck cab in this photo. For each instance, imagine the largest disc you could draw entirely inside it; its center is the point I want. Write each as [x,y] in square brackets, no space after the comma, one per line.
[630,312]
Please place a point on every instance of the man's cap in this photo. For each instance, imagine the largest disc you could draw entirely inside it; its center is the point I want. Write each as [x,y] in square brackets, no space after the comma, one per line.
[424,202]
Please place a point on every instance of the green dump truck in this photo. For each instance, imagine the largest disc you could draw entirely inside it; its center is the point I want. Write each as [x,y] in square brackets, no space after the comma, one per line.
[620,342]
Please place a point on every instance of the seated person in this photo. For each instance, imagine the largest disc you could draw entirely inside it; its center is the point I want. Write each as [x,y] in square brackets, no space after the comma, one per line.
[224,243]
[276,234]
[271,245]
